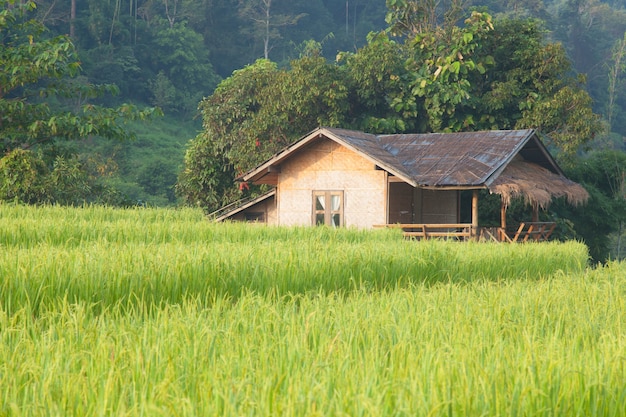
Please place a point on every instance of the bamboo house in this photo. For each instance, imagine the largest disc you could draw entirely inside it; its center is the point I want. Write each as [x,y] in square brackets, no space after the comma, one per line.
[347,178]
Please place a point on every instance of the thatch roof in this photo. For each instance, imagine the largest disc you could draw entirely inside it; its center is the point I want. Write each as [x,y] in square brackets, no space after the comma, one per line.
[537,185]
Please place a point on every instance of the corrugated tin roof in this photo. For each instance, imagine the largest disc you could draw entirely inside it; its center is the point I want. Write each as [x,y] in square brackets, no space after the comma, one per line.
[442,159]
[465,159]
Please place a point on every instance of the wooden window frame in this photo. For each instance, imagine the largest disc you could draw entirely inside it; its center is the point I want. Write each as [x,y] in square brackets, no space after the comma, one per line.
[328,211]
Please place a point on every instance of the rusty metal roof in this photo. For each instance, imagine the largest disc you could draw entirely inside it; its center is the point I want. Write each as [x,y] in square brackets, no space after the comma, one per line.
[466,159]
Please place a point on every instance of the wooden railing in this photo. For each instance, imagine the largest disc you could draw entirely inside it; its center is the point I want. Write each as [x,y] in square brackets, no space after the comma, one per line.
[534,231]
[494,234]
[527,231]
[459,231]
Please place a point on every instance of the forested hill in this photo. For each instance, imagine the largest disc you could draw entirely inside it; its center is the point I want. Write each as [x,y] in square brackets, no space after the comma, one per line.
[172,53]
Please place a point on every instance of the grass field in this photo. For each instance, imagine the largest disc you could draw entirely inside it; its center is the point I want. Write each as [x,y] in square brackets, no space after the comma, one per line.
[159,312]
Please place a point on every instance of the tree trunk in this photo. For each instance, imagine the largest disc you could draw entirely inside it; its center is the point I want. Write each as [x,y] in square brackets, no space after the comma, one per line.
[72,18]
[266,41]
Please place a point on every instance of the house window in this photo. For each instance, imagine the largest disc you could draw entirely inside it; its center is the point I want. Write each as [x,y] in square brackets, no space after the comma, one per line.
[328,208]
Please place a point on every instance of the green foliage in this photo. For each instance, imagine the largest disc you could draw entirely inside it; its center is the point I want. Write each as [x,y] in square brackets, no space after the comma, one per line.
[35,66]
[377,77]
[23,177]
[443,63]
[410,18]
[163,92]
[35,73]
[206,180]
[530,87]
[141,170]
[180,57]
[26,178]
[603,173]
[263,23]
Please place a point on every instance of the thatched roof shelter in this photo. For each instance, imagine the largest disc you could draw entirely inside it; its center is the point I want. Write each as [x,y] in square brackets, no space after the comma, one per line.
[536,185]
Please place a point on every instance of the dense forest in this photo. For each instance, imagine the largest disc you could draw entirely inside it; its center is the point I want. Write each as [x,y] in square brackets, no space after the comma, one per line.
[174,52]
[173,55]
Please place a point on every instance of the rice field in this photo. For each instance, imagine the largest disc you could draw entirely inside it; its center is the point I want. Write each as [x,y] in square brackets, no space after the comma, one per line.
[158,312]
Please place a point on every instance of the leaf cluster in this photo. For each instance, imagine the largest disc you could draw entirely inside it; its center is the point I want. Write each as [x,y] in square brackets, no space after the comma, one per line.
[603,174]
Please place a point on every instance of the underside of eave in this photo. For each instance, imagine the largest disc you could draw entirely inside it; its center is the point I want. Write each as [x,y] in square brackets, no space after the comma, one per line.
[260,171]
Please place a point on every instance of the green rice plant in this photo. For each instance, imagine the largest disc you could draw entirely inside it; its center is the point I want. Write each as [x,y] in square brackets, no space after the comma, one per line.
[159,312]
[107,257]
[542,347]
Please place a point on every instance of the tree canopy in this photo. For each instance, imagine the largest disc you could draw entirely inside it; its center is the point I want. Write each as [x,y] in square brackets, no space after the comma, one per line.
[483,75]
[44,102]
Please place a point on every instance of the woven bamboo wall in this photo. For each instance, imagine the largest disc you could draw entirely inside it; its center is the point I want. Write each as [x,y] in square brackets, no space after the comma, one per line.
[327,166]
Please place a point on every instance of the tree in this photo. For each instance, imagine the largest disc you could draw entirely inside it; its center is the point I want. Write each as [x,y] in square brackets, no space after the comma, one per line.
[207,178]
[34,87]
[445,65]
[265,23]
[480,76]
[377,77]
[180,57]
[616,69]
[411,17]
[530,85]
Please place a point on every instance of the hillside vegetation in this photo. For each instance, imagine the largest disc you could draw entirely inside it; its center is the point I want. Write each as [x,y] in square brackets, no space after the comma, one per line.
[172,53]
[554,65]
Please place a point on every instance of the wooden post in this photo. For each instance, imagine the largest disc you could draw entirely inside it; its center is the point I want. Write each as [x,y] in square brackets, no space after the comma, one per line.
[474,213]
[502,220]
[535,212]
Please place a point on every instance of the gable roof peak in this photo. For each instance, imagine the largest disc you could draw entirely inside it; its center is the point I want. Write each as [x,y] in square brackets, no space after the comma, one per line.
[462,159]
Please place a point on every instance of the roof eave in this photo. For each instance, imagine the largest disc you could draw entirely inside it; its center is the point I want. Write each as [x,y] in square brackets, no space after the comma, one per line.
[262,169]
[278,157]
[454,187]
[241,208]
[381,164]
[496,172]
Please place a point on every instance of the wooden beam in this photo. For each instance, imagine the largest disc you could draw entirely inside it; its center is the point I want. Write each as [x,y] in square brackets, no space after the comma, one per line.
[475,212]
[502,236]
[535,212]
